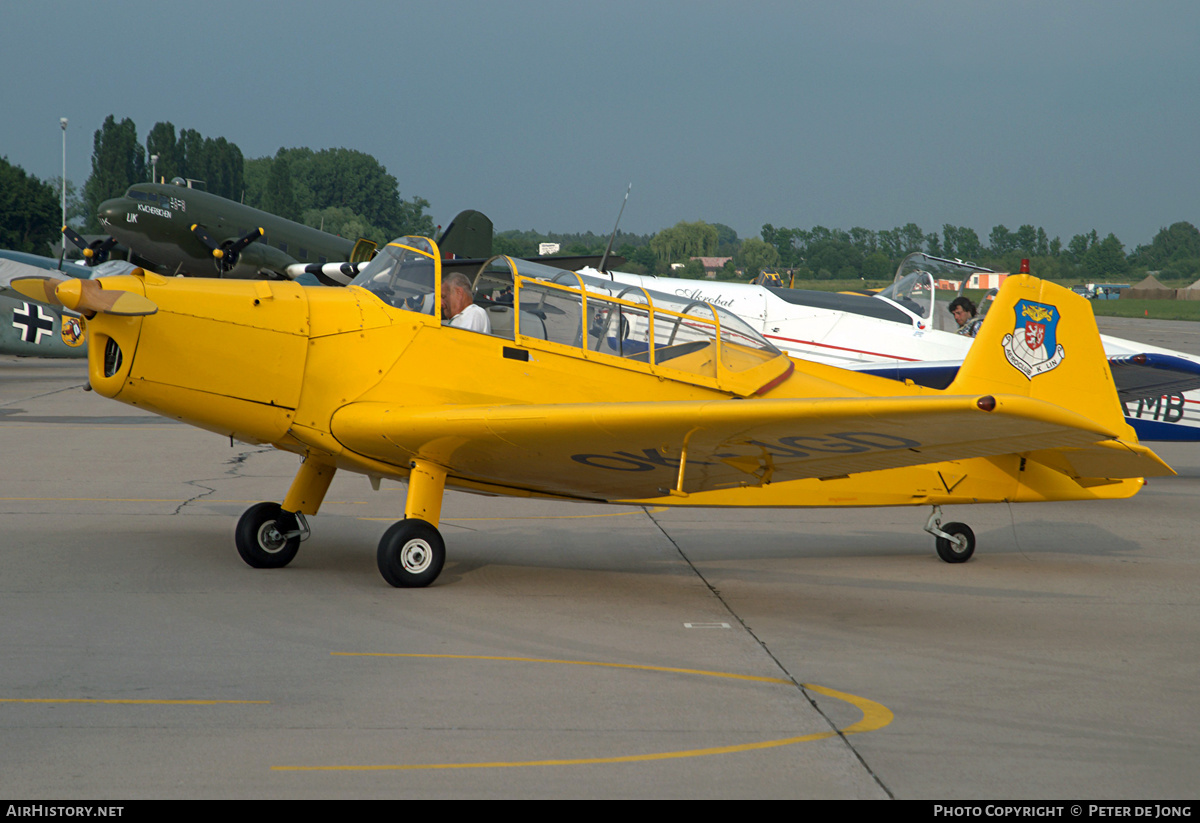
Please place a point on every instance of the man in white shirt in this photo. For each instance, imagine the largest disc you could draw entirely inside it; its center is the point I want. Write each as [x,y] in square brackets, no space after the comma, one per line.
[458,306]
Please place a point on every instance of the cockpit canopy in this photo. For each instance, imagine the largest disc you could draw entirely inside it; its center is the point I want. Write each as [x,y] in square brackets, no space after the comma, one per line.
[404,274]
[594,318]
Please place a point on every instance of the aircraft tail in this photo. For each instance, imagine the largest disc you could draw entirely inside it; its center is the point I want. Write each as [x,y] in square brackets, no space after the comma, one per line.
[1041,341]
[469,235]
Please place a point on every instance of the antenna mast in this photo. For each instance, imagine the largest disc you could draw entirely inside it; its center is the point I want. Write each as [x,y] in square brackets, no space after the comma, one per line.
[613,236]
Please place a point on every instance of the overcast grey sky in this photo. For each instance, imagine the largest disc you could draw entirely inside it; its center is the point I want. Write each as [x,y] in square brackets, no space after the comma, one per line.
[1070,115]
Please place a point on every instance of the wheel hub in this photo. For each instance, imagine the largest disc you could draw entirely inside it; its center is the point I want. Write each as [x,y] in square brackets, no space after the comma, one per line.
[416,556]
[270,540]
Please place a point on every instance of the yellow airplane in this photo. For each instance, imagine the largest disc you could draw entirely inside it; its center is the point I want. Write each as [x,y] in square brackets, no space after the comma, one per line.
[586,390]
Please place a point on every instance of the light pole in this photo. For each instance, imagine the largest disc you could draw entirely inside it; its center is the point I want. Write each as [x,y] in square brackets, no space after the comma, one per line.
[154,168]
[63,122]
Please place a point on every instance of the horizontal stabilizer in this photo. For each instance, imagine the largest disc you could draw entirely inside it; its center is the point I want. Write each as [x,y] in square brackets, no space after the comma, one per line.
[1106,459]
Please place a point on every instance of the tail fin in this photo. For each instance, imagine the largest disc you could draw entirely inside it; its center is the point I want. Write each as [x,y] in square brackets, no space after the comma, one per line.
[469,235]
[1041,341]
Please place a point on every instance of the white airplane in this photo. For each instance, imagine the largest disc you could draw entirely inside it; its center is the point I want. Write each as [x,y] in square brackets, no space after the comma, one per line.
[904,333]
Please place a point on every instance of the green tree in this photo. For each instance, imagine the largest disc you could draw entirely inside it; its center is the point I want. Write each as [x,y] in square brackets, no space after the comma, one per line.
[833,256]
[877,266]
[280,196]
[346,223]
[218,163]
[1105,260]
[1079,245]
[783,240]
[727,240]
[1000,241]
[29,210]
[1177,242]
[161,141]
[118,161]
[692,270]
[76,210]
[684,240]
[1024,240]
[754,256]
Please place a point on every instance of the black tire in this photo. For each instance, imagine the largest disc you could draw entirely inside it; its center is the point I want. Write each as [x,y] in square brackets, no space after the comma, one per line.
[259,536]
[411,554]
[956,551]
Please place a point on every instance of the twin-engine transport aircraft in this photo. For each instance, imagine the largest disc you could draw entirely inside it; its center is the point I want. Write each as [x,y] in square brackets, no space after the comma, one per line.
[189,231]
[589,391]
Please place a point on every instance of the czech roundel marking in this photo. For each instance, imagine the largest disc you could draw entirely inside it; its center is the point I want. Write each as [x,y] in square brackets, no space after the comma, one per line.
[1033,347]
[33,321]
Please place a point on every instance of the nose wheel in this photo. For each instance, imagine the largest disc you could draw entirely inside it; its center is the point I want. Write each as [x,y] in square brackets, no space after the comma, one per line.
[955,541]
[411,554]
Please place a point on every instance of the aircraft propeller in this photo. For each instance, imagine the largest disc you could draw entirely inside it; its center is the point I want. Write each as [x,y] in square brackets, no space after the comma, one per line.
[94,253]
[87,297]
[225,254]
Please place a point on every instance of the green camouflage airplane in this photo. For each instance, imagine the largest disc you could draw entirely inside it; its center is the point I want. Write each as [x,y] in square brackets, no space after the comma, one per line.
[180,230]
[174,229]
[29,329]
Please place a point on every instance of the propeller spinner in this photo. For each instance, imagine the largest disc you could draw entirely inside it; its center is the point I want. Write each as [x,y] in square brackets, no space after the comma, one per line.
[87,297]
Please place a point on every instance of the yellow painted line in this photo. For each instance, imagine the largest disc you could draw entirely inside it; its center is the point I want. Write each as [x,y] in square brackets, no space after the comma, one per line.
[875,716]
[750,677]
[89,426]
[651,510]
[145,702]
[154,500]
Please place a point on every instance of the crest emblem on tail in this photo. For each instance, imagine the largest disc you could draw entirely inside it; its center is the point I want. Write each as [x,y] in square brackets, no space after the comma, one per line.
[1033,348]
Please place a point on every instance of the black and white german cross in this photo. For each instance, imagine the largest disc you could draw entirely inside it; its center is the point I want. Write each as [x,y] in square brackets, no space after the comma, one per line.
[32,324]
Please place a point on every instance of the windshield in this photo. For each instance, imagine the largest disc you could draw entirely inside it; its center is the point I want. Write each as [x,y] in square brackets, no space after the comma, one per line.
[918,279]
[404,275]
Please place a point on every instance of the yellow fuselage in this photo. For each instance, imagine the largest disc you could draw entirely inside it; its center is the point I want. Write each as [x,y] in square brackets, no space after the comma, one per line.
[275,362]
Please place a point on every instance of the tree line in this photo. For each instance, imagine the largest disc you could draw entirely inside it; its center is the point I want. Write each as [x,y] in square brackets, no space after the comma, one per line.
[341,191]
[350,193]
[821,253]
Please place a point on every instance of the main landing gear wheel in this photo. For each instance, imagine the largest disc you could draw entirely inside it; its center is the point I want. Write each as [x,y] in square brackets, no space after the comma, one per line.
[262,536]
[960,546]
[411,554]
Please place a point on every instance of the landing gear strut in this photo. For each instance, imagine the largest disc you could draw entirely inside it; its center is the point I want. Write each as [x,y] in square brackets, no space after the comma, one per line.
[412,552]
[955,541]
[268,535]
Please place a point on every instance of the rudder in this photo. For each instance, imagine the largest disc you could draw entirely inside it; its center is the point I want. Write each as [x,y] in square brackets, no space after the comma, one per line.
[1040,340]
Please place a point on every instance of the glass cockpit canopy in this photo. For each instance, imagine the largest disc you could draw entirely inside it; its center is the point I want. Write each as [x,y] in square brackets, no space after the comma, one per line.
[917,280]
[732,329]
[403,274]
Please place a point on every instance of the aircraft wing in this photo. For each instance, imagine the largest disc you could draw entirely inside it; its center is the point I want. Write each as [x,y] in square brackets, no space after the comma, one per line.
[1150,376]
[634,450]
[1143,376]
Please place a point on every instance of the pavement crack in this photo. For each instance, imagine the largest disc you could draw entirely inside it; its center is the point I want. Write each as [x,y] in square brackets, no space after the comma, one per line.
[27,398]
[766,649]
[234,467]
